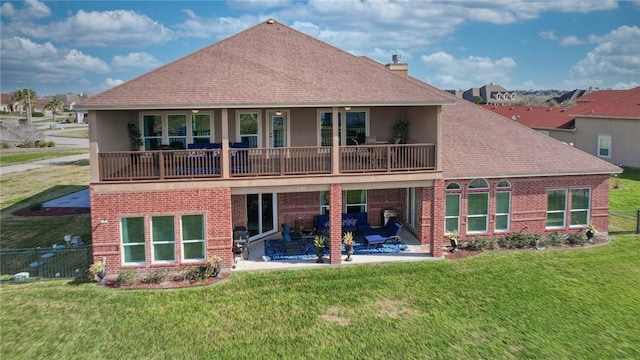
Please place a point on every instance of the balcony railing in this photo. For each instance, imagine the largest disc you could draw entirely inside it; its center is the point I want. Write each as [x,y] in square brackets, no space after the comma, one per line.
[263,162]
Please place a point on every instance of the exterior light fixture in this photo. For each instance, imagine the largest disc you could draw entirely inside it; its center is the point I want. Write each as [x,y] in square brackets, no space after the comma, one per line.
[347,108]
[195,111]
[278,113]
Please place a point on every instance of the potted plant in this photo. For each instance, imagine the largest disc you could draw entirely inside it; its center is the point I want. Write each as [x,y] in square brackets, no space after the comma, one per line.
[213,266]
[135,136]
[453,238]
[347,239]
[98,269]
[591,231]
[319,241]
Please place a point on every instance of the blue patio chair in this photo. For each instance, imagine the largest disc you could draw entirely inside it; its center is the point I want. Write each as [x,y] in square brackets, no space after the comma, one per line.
[384,238]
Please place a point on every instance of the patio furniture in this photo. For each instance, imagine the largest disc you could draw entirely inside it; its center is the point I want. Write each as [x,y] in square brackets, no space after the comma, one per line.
[387,230]
[292,240]
[240,243]
[376,239]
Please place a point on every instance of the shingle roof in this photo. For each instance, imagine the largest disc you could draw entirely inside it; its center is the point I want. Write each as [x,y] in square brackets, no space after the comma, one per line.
[479,143]
[268,65]
[609,103]
[536,116]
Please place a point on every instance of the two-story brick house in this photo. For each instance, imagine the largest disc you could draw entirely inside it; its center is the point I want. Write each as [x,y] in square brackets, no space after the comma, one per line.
[271,126]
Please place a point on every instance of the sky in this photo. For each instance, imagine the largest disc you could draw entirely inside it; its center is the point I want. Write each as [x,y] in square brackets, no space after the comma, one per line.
[58,47]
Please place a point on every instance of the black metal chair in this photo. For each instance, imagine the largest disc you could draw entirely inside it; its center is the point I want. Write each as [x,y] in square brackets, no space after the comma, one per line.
[240,244]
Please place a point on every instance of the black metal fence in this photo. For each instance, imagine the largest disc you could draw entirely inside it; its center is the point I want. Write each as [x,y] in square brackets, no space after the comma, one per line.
[624,222]
[46,263]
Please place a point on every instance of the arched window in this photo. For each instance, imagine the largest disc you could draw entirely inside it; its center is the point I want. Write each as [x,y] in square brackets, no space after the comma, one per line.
[479,184]
[453,186]
[504,184]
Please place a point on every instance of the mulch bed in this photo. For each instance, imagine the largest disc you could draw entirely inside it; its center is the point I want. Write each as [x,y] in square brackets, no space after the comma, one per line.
[172,284]
[52,211]
[462,253]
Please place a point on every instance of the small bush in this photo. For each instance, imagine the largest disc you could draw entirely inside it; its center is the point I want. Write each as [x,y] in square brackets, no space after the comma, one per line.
[517,240]
[37,114]
[478,244]
[540,241]
[157,276]
[127,277]
[577,238]
[197,273]
[556,239]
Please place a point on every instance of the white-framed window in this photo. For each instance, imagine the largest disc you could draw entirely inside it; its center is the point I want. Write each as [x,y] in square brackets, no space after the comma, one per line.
[192,227]
[249,128]
[152,131]
[356,201]
[413,202]
[479,184]
[354,130]
[163,241]
[604,146]
[325,201]
[133,240]
[556,208]
[477,212]
[452,213]
[580,207]
[503,210]
[453,186]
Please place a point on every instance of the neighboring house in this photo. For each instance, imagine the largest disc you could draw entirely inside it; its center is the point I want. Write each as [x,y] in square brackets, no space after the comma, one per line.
[570,96]
[551,121]
[7,104]
[604,123]
[269,117]
[491,94]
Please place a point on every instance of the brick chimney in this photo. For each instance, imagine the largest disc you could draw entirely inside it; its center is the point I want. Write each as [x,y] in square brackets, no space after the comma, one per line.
[398,68]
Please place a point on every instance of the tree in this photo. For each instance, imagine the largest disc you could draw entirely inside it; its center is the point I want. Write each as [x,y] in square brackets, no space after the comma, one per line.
[54,105]
[26,97]
[480,101]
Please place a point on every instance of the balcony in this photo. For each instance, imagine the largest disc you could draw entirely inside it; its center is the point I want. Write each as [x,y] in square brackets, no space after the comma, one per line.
[264,162]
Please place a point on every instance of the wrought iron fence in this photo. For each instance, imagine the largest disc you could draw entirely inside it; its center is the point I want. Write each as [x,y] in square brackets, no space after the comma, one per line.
[46,263]
[624,222]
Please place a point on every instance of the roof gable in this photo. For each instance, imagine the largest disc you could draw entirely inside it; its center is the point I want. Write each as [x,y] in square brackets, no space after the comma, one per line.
[536,116]
[268,65]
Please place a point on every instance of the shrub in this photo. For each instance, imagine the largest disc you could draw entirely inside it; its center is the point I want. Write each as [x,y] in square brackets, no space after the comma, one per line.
[577,238]
[540,241]
[556,239]
[157,276]
[197,273]
[478,244]
[517,240]
[127,277]
[37,114]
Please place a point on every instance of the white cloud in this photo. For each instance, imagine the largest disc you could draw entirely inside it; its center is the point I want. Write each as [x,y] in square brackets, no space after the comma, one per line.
[32,10]
[26,61]
[249,5]
[548,35]
[106,28]
[219,27]
[616,54]
[463,73]
[571,41]
[136,60]
[109,83]
[626,86]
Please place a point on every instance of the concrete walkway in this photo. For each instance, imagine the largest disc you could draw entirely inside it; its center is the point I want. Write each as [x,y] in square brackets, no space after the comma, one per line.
[42,163]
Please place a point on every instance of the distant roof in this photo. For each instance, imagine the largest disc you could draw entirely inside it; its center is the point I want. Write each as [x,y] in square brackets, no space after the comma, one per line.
[480,143]
[536,116]
[609,103]
[268,65]
[6,98]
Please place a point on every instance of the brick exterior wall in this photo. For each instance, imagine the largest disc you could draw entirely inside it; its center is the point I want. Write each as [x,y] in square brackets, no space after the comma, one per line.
[215,204]
[529,203]
[335,218]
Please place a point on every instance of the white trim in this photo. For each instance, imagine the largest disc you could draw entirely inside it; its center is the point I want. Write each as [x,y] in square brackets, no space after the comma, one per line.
[598,148]
[508,213]
[259,121]
[201,241]
[143,243]
[153,243]
[485,215]
[287,127]
[588,209]
[563,211]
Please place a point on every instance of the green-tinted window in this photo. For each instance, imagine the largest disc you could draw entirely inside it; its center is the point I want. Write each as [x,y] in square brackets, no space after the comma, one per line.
[133,244]
[356,201]
[580,204]
[452,212]
[556,206]
[503,206]
[163,238]
[193,237]
[477,212]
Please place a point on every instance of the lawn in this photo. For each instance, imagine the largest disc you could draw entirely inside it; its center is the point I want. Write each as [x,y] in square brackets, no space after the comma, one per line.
[19,157]
[558,304]
[624,201]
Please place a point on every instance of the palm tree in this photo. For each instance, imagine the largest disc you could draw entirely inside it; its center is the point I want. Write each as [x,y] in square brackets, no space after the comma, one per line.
[54,105]
[26,97]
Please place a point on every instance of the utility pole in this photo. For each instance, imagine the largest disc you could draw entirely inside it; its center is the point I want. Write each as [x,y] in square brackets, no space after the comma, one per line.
[28,107]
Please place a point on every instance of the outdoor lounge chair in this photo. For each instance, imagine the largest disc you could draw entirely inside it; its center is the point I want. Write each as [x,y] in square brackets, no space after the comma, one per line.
[377,239]
[292,240]
[386,231]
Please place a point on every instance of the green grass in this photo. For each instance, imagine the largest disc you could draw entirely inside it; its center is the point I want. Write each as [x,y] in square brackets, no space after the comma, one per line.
[19,157]
[624,194]
[559,304]
[82,133]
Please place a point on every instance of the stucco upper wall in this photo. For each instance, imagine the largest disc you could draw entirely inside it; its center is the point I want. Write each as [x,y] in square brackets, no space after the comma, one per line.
[624,133]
